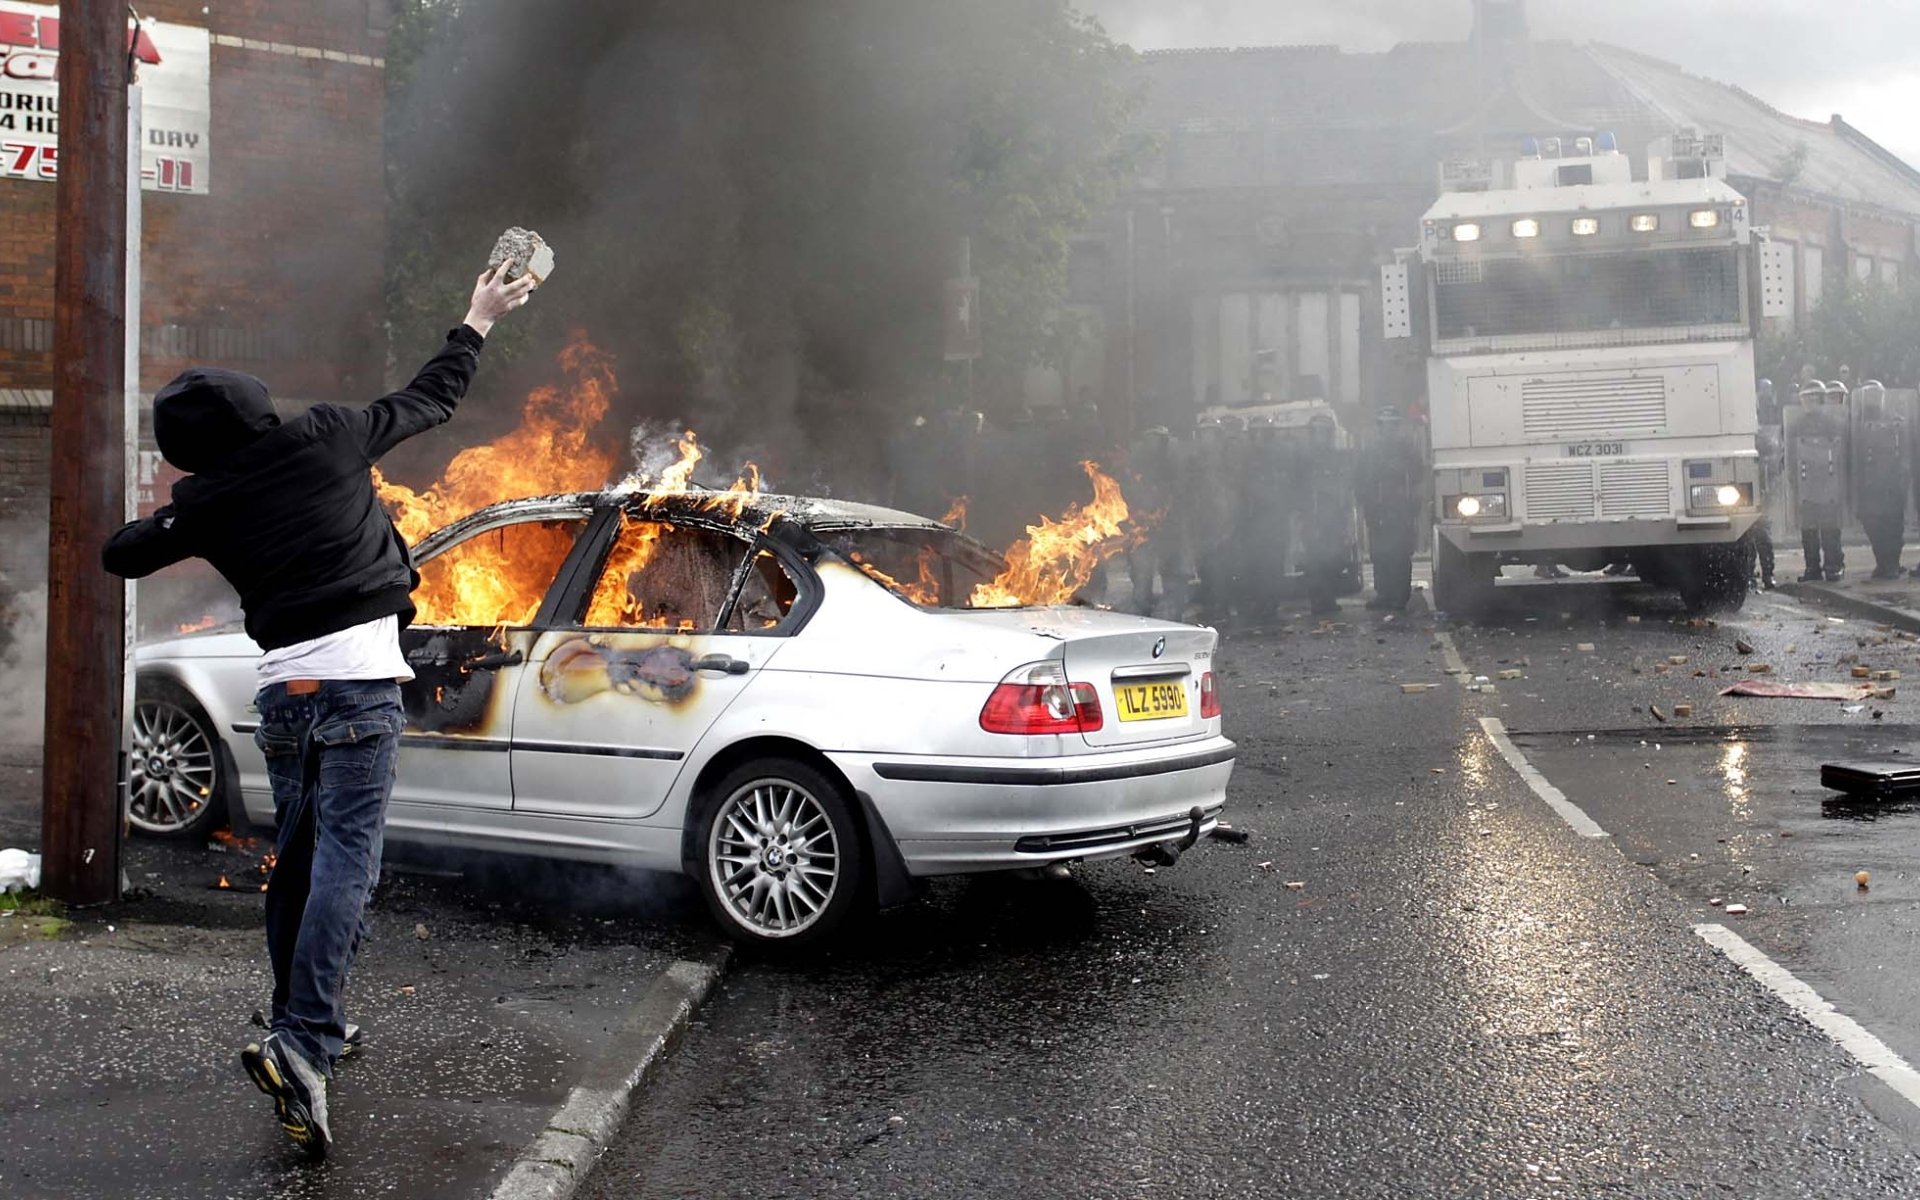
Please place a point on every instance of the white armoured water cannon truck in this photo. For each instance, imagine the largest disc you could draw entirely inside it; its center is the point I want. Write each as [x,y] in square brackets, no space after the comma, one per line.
[1590,366]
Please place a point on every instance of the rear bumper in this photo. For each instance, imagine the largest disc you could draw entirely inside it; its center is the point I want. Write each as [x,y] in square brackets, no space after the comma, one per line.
[954,816]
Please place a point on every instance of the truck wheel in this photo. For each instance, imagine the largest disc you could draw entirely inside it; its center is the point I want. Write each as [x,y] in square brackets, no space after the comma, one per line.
[1462,582]
[1716,580]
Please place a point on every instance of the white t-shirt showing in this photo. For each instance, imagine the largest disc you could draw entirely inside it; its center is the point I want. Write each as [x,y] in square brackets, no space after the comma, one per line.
[369,651]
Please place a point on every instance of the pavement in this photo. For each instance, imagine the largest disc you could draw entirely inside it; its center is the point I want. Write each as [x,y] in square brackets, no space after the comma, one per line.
[1895,602]
[1415,980]
[497,998]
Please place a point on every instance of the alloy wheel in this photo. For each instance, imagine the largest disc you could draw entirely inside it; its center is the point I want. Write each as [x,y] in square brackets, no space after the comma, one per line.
[774,857]
[172,773]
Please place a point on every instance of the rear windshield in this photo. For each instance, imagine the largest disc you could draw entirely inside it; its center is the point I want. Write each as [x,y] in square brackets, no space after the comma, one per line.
[934,568]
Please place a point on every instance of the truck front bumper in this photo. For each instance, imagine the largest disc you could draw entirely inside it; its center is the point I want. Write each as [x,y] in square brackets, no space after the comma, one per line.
[1521,538]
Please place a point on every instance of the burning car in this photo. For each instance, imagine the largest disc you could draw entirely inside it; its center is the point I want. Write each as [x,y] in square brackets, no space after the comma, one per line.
[805,705]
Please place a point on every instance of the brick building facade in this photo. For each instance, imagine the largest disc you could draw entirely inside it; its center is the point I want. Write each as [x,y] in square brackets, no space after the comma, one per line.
[278,271]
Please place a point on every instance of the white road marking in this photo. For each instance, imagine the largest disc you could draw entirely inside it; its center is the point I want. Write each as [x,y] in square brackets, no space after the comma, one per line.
[1450,654]
[1556,799]
[1870,1052]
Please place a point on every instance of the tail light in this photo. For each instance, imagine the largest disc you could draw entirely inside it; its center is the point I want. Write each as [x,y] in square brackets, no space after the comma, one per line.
[1038,699]
[1209,697]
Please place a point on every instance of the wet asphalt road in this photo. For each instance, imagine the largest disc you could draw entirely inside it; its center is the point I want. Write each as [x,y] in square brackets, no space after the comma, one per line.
[1463,1000]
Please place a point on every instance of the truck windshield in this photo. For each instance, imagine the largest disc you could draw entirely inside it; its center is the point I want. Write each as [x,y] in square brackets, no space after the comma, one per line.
[1587,293]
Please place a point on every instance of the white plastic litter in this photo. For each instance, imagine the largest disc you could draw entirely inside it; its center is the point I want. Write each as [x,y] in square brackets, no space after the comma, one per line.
[18,869]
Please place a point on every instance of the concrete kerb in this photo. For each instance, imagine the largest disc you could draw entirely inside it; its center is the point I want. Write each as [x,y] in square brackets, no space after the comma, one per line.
[557,1161]
[1858,606]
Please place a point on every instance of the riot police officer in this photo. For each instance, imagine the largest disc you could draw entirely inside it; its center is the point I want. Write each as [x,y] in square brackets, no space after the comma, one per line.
[1817,451]
[1772,469]
[1882,473]
[1211,498]
[1393,487]
[1327,519]
[1264,520]
[1154,495]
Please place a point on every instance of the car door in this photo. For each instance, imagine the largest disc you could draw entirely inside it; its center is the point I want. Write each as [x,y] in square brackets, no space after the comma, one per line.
[674,627]
[483,584]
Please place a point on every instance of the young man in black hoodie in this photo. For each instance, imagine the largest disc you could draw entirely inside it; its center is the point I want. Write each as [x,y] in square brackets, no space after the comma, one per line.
[286,511]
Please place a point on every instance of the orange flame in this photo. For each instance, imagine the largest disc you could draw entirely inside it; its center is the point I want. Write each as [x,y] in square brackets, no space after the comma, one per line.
[614,603]
[1057,558]
[201,626]
[957,515]
[223,883]
[500,581]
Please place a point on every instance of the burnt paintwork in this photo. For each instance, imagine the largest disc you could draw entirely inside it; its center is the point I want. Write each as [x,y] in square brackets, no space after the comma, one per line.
[448,694]
[658,671]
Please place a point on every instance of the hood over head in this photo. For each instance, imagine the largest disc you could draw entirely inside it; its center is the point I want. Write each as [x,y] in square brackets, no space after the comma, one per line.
[207,414]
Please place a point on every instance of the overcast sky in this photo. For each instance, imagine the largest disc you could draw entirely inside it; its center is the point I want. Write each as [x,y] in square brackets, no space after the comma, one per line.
[1811,58]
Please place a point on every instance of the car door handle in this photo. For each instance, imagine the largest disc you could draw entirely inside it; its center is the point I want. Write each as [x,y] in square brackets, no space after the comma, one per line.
[720,662]
[493,662]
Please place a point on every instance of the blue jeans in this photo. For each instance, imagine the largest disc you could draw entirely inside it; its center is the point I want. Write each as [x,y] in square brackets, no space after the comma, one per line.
[330,756]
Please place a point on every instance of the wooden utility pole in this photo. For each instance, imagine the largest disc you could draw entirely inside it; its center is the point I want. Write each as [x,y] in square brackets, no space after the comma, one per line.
[86,613]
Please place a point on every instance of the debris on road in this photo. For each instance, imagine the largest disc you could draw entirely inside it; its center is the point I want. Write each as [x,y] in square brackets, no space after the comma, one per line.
[1584,647]
[422,932]
[1716,901]
[1885,676]
[1768,689]
[1415,689]
[1510,675]
[1863,672]
[1743,646]
[1265,866]
[1862,879]
[1296,885]
[1678,660]
[1227,833]
[1683,710]
[1653,710]
[1736,910]
[1759,668]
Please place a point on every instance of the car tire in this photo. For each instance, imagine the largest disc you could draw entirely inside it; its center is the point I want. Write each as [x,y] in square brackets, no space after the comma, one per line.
[177,782]
[781,860]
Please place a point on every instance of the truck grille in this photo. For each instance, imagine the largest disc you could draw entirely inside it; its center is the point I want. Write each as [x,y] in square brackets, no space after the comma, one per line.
[1631,489]
[1585,408]
[1559,491]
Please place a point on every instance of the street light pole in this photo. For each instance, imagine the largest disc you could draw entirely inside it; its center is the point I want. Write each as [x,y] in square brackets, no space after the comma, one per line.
[86,608]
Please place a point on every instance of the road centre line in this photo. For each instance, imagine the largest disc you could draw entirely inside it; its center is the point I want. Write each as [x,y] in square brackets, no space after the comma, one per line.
[1450,654]
[1571,813]
[1870,1052]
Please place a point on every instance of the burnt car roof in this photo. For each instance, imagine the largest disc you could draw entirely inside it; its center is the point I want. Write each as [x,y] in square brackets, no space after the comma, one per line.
[742,511]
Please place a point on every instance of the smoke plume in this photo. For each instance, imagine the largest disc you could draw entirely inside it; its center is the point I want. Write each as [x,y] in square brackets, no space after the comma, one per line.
[23,630]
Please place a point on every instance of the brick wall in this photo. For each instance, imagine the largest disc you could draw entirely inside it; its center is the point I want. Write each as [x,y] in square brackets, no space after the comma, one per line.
[23,466]
[279,271]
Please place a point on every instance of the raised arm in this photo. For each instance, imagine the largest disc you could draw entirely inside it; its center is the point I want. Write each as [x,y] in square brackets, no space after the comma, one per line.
[440,385]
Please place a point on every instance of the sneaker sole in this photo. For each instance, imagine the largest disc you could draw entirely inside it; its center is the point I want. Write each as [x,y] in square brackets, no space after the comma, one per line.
[292,1114]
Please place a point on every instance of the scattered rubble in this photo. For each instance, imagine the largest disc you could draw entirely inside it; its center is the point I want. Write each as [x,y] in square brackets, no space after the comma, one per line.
[1735,910]
[1862,879]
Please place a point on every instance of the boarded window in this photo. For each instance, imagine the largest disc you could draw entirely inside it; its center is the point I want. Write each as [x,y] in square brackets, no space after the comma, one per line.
[497,578]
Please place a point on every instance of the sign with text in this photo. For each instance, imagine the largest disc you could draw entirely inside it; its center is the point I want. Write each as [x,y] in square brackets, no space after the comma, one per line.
[175,64]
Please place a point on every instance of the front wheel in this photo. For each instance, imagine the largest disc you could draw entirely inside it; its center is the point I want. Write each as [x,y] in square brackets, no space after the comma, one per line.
[1718,580]
[781,860]
[175,786]
[1462,582]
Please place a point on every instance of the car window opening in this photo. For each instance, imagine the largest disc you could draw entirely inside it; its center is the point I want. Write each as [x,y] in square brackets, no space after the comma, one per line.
[766,598]
[932,568]
[662,576]
[497,578]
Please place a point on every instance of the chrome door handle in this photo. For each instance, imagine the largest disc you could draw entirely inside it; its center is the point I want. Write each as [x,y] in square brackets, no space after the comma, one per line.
[720,662]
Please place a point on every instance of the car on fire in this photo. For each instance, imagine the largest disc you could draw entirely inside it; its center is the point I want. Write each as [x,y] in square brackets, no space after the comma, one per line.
[805,705]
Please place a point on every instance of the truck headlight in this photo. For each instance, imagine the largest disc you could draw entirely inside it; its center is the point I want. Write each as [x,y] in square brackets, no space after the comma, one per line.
[1526,227]
[1466,232]
[1719,495]
[1704,218]
[1469,508]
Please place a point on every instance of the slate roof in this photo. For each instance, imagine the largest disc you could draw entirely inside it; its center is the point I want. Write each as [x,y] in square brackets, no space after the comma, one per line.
[1311,115]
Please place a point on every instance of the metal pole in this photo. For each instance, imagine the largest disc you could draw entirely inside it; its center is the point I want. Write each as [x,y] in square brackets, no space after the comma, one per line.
[80,814]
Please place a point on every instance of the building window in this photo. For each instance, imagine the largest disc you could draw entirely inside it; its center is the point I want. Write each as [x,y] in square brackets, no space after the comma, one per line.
[1813,273]
[1862,268]
[1890,272]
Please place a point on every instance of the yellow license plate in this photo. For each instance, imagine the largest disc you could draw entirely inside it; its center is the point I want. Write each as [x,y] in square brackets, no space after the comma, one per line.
[1151,701]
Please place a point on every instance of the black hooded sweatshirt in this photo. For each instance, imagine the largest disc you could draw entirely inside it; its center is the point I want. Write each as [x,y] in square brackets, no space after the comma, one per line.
[287,511]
